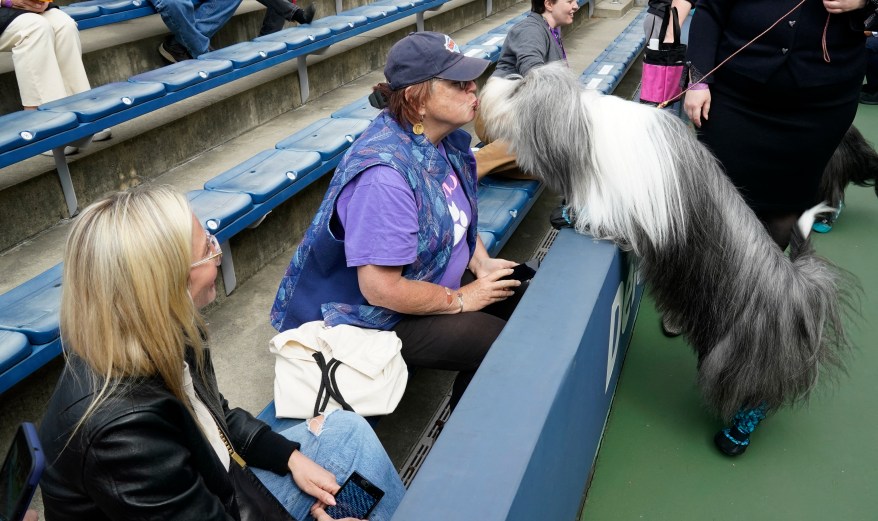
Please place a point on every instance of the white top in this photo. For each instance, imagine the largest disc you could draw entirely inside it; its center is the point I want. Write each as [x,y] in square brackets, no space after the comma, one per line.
[205,419]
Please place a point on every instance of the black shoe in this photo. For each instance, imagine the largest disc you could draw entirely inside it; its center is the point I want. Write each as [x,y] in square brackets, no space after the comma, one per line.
[173,51]
[869,98]
[304,16]
[728,444]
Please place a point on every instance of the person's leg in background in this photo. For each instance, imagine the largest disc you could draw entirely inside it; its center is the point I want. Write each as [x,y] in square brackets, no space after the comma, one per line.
[212,15]
[278,12]
[31,39]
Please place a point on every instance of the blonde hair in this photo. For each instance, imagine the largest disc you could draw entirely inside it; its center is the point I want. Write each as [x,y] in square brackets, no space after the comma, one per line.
[125,305]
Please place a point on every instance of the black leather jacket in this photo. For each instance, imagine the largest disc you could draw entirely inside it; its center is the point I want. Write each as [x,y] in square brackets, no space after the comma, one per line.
[142,454]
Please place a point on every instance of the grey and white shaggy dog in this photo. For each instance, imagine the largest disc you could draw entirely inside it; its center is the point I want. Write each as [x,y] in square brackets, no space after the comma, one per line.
[764,325]
[854,161]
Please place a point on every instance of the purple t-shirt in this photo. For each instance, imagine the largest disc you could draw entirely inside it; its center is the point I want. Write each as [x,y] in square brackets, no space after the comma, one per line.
[380,219]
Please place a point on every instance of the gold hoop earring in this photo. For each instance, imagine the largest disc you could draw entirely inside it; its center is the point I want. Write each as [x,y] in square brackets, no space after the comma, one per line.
[418,128]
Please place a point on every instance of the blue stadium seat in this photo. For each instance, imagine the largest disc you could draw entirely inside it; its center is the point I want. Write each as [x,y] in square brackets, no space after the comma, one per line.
[216,210]
[489,241]
[486,52]
[82,12]
[184,74]
[402,5]
[499,208]
[14,348]
[29,126]
[32,308]
[266,173]
[489,39]
[107,99]
[531,186]
[246,53]
[372,12]
[339,23]
[295,37]
[328,136]
[112,6]
[360,109]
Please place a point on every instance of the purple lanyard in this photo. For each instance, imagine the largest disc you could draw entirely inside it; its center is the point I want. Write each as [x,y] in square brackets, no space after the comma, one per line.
[556,33]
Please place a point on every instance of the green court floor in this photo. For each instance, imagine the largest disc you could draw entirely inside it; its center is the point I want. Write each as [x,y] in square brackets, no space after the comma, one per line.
[816,462]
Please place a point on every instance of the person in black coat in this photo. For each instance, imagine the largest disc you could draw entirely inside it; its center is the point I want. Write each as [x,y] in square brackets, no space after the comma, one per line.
[774,113]
[136,427]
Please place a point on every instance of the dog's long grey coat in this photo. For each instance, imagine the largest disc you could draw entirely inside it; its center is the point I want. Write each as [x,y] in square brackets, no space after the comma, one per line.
[764,325]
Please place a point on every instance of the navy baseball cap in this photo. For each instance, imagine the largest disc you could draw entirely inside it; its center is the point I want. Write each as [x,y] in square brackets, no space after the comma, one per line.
[425,55]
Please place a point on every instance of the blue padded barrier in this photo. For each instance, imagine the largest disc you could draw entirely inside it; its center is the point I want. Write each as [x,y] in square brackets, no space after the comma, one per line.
[216,210]
[14,348]
[327,136]
[32,308]
[30,126]
[246,53]
[359,109]
[528,440]
[266,173]
[102,101]
[185,73]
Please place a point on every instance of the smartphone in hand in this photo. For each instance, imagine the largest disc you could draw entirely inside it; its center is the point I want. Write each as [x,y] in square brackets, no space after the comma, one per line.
[20,473]
[356,498]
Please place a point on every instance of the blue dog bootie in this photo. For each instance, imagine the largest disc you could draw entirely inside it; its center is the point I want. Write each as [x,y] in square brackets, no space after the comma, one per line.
[734,440]
[824,222]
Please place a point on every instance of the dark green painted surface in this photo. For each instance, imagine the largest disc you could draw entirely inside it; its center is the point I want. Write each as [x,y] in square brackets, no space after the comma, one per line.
[816,462]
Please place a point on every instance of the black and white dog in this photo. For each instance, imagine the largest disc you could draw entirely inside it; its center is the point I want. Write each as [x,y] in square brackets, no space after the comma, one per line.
[764,326]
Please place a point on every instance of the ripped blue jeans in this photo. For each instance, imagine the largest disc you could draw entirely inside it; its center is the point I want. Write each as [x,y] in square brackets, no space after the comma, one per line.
[346,443]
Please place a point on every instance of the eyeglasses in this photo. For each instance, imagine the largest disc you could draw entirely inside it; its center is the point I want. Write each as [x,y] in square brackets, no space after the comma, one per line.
[462,85]
[216,253]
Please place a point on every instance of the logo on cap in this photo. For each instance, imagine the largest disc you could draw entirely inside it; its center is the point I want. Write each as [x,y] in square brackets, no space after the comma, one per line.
[450,46]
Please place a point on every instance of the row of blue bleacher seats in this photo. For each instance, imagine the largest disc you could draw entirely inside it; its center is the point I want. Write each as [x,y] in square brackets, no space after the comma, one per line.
[26,133]
[239,198]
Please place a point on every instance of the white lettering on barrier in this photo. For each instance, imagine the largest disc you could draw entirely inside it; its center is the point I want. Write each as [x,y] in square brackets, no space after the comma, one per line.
[622,305]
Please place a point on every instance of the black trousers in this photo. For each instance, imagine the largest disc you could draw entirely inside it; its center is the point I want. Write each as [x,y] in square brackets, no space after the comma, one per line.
[455,342]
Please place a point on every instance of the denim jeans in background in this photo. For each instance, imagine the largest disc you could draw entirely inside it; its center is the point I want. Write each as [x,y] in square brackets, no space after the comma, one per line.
[346,443]
[194,22]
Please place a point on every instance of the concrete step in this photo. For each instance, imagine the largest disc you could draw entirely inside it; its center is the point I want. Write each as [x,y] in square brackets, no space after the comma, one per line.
[613,8]
[147,147]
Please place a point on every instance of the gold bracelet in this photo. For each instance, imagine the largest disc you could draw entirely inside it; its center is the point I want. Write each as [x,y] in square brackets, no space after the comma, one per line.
[460,300]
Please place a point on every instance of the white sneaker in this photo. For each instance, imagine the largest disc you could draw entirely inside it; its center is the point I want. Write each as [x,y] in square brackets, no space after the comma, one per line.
[68,151]
[103,135]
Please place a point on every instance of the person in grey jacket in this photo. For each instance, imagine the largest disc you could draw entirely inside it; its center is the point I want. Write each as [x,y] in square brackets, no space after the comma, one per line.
[532,42]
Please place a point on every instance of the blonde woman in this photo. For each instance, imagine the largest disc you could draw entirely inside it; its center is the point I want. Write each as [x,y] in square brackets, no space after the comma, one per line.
[136,428]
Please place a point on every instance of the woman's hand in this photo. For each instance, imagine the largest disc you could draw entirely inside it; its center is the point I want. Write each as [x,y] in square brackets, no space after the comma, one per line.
[697,105]
[843,6]
[313,479]
[318,512]
[34,6]
[487,265]
[488,289]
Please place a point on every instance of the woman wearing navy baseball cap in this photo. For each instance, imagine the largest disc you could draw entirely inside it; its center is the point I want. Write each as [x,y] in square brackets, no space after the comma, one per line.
[394,245]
